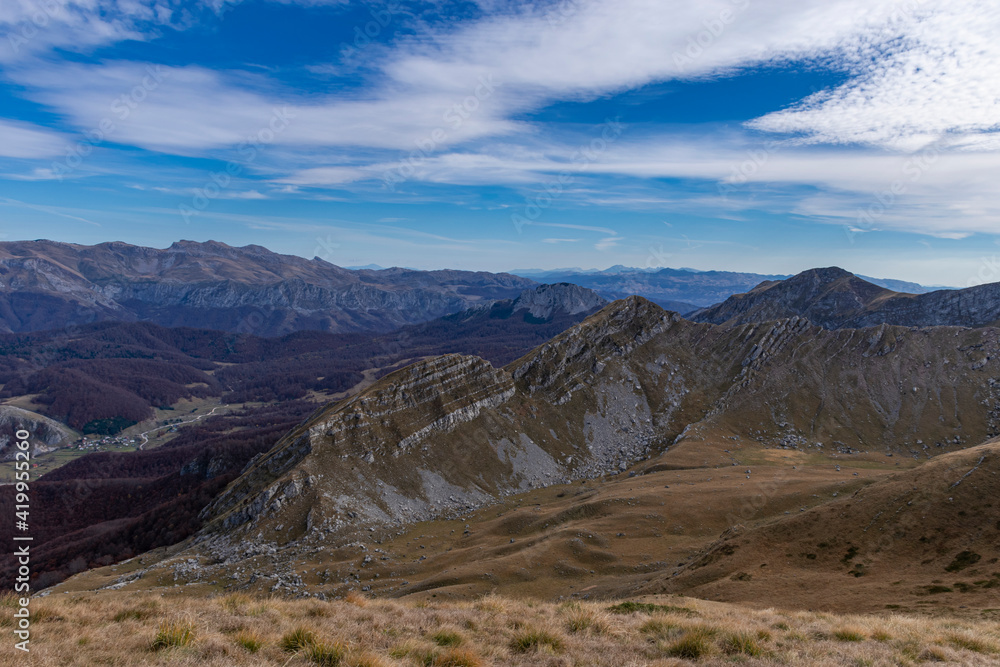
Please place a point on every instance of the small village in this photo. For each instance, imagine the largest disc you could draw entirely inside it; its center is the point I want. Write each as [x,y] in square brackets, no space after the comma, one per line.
[106,442]
[96,442]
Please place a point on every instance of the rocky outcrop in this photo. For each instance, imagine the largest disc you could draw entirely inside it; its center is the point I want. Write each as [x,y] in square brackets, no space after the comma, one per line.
[387,431]
[46,434]
[545,301]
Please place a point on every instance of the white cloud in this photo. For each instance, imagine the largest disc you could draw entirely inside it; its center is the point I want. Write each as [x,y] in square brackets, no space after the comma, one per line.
[22,140]
[916,74]
[191,110]
[920,69]
[933,74]
[937,192]
[29,28]
[450,103]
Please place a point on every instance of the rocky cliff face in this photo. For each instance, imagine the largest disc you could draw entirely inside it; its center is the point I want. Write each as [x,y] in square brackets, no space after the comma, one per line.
[44,285]
[628,381]
[377,456]
[836,299]
[546,301]
[453,432]
[543,303]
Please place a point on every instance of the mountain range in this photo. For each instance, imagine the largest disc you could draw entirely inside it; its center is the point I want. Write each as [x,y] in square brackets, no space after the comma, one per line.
[47,285]
[836,299]
[680,290]
[210,285]
[632,389]
[123,370]
[539,440]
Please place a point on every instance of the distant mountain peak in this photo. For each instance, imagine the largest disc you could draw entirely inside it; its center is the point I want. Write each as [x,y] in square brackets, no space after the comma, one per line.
[826,274]
[366,267]
[835,299]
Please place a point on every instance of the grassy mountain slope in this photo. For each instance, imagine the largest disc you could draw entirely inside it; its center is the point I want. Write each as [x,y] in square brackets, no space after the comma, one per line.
[919,538]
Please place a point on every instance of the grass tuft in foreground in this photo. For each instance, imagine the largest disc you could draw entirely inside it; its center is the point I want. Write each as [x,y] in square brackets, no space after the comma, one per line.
[173,634]
[298,639]
[326,655]
[530,640]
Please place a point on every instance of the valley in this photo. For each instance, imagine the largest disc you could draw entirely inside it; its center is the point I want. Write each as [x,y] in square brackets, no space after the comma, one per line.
[162,428]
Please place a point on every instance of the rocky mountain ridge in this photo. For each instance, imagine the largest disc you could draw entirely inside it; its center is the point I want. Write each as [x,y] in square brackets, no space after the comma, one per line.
[631,384]
[680,290]
[836,299]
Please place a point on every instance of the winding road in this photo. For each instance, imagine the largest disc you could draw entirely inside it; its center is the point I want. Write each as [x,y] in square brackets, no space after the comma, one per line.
[145,438]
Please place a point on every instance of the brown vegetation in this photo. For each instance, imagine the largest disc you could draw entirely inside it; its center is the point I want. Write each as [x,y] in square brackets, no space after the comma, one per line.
[112,627]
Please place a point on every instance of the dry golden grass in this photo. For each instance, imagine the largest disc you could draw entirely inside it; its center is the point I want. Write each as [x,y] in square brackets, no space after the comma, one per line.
[122,628]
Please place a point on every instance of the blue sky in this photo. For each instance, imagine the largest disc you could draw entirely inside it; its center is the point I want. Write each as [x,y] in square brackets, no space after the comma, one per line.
[720,134]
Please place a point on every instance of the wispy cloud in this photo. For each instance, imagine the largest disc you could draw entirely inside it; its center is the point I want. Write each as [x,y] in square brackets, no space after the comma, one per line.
[59,211]
[926,73]
[607,243]
[933,82]
[22,140]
